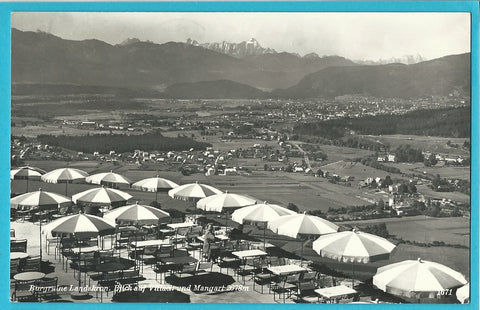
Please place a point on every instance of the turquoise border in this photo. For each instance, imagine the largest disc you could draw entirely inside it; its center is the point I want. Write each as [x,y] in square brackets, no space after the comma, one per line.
[359,6]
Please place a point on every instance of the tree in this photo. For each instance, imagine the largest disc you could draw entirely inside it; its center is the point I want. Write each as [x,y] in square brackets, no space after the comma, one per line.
[292,206]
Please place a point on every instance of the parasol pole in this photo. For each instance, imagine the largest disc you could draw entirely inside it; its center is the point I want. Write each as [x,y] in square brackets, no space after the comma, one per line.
[79,263]
[264,235]
[40,238]
[226,218]
[301,252]
[353,273]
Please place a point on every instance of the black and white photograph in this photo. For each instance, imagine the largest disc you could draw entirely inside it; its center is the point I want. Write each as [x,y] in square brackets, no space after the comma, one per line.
[241,157]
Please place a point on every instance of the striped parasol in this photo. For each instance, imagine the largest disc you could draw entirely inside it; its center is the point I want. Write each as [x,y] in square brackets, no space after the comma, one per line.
[224,202]
[155,184]
[301,226]
[39,199]
[193,191]
[260,213]
[417,279]
[463,294]
[296,225]
[137,215]
[79,226]
[101,196]
[353,246]
[64,175]
[107,178]
[26,173]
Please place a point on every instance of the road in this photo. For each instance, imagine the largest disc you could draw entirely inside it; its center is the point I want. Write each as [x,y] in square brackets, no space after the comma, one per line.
[307,160]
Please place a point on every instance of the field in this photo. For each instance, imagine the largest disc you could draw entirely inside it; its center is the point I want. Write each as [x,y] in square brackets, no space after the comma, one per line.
[426,143]
[444,172]
[451,230]
[337,153]
[455,196]
[355,169]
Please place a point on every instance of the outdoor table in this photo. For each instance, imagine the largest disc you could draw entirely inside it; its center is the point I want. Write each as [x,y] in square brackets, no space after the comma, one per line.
[249,253]
[335,292]
[85,249]
[178,260]
[286,270]
[142,244]
[28,276]
[219,237]
[18,255]
[111,266]
[181,225]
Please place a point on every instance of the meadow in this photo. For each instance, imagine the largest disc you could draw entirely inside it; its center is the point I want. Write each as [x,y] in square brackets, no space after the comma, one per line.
[426,143]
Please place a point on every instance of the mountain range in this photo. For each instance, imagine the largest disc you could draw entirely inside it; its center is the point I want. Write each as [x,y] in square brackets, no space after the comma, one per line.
[188,70]
[242,49]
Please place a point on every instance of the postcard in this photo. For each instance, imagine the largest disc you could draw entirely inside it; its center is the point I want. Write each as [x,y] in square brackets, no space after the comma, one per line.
[237,153]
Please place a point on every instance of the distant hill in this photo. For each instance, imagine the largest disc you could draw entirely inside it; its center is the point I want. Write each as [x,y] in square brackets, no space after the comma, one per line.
[442,76]
[222,89]
[39,57]
[42,58]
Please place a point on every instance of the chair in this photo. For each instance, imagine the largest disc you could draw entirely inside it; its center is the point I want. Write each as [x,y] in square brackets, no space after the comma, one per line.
[197,268]
[306,293]
[165,250]
[25,215]
[14,267]
[123,239]
[54,240]
[308,276]
[324,281]
[22,291]
[188,269]
[131,276]
[229,262]
[32,264]
[109,280]
[18,245]
[162,269]
[47,288]
[287,286]
[248,268]
[105,255]
[204,268]
[148,255]
[263,277]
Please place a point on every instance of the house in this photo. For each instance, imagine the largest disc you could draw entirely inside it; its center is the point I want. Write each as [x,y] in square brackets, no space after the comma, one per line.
[391,157]
[230,171]
[298,169]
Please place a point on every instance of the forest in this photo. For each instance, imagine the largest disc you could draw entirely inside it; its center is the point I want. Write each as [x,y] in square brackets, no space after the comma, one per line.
[122,143]
[450,122]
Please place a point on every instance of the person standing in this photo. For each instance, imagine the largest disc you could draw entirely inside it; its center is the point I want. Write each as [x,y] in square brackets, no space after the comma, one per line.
[208,239]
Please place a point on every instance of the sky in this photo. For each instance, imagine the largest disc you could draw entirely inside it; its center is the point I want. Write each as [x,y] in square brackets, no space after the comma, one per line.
[357,36]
